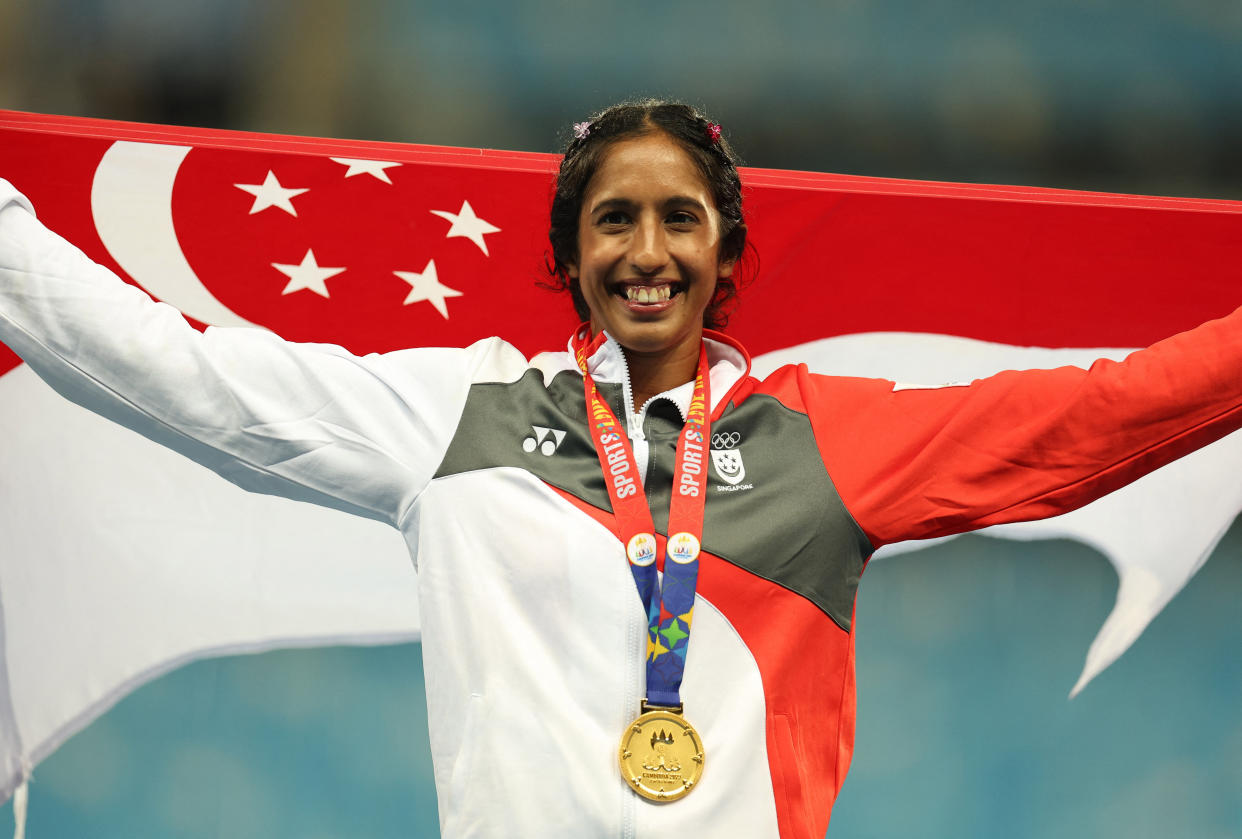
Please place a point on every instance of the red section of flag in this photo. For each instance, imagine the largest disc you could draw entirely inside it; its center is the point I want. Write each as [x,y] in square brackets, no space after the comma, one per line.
[55,173]
[1043,270]
[838,254]
[372,228]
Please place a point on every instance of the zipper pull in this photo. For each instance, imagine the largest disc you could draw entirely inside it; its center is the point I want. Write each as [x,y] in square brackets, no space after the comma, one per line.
[636,425]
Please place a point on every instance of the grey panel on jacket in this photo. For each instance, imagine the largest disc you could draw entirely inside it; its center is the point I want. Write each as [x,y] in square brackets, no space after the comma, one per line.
[771,507]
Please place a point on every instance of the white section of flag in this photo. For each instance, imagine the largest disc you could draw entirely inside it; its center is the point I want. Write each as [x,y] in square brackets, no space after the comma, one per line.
[123,560]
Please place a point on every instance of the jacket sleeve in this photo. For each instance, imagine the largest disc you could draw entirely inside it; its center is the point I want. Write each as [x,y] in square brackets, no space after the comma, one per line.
[306,421]
[1022,445]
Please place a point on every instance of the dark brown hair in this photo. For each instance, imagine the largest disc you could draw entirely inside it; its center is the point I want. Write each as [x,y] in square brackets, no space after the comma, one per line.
[692,131]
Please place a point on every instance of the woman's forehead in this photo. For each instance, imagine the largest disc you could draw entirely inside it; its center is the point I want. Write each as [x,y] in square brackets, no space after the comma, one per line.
[651,163]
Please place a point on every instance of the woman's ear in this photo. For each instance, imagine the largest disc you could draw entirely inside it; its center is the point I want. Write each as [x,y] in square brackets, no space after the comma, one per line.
[728,263]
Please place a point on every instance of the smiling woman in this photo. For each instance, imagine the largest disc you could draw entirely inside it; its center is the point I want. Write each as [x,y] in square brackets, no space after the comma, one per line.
[646,232]
[649,258]
[540,661]
[707,149]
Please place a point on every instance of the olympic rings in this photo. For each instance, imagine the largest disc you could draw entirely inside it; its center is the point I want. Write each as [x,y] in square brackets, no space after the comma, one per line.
[726,441]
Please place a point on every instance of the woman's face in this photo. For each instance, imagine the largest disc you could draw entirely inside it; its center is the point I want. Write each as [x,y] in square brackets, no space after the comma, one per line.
[649,246]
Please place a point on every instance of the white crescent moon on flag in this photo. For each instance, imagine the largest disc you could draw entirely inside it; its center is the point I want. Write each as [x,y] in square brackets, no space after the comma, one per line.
[131,201]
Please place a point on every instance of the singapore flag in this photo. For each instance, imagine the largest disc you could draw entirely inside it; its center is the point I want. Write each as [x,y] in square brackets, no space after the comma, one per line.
[122,560]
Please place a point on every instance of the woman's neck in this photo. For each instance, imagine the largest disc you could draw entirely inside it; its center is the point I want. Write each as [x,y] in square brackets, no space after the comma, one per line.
[653,373]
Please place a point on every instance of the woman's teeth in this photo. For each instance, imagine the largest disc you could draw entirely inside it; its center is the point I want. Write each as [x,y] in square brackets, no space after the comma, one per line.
[648,294]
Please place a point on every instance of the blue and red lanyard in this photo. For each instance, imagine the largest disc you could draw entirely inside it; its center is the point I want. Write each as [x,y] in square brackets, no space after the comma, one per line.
[669,608]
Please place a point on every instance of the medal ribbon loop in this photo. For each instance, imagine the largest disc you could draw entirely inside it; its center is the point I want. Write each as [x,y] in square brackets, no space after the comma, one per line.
[669,608]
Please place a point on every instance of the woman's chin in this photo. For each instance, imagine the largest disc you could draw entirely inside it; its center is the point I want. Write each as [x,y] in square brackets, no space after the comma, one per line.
[654,338]
[653,328]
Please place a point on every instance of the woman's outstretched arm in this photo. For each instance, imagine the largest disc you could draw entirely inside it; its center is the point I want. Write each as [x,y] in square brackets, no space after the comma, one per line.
[915,463]
[307,421]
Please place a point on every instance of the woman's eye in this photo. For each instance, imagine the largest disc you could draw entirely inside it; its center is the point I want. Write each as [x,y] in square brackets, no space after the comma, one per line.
[681,217]
[613,218]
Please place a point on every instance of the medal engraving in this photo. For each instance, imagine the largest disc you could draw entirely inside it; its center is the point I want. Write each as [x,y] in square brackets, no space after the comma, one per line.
[661,756]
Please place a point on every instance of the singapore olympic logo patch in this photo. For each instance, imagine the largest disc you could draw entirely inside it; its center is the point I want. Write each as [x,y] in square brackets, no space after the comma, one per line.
[727,457]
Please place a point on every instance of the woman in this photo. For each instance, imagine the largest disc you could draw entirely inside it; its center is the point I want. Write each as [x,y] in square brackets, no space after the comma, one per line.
[562,704]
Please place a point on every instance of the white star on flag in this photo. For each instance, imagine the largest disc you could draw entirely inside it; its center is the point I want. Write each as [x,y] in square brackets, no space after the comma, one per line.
[307,275]
[427,286]
[466,223]
[271,194]
[374,168]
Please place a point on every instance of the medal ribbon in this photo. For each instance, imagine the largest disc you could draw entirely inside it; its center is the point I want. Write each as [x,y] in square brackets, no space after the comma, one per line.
[670,607]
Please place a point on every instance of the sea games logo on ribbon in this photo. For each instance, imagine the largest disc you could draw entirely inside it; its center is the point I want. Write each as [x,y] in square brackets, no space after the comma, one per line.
[727,460]
[683,547]
[641,549]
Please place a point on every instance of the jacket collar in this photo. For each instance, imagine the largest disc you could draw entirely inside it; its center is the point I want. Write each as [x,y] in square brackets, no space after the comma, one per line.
[728,360]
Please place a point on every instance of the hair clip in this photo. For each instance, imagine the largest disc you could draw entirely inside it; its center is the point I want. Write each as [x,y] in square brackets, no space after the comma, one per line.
[713,132]
[582,129]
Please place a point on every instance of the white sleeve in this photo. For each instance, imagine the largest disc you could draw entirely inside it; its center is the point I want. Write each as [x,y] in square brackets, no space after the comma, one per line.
[306,421]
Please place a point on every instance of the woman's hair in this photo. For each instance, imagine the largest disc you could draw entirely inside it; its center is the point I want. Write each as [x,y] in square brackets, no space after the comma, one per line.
[706,146]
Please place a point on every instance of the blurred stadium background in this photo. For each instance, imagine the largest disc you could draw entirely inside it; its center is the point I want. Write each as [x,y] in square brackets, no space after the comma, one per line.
[966,651]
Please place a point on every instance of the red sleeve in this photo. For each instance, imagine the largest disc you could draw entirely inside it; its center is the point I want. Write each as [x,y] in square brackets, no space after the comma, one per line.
[914,464]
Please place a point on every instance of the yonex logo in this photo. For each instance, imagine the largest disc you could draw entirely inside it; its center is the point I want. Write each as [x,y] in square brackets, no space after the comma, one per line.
[546,440]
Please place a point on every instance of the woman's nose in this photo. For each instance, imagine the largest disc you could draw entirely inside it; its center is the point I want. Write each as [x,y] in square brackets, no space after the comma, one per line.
[649,249]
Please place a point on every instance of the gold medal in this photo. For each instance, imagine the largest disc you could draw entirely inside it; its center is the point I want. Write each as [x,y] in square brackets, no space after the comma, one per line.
[661,755]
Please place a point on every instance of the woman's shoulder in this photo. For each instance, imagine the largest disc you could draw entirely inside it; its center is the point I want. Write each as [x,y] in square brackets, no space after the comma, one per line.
[490,359]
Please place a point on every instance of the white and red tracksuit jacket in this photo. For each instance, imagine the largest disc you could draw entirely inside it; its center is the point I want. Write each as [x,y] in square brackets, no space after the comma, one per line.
[532,629]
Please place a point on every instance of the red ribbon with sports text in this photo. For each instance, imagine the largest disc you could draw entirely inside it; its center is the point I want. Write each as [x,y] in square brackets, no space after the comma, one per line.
[670,613]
